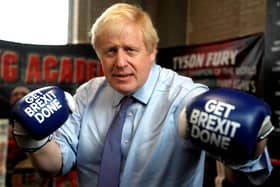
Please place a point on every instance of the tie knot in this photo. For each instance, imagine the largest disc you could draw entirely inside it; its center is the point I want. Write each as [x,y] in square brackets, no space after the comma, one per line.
[126,102]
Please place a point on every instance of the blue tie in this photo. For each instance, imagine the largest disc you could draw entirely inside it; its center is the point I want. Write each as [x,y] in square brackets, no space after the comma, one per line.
[109,174]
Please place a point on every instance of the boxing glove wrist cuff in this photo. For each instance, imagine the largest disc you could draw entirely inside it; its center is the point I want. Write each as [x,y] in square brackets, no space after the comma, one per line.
[265,129]
[25,141]
[30,145]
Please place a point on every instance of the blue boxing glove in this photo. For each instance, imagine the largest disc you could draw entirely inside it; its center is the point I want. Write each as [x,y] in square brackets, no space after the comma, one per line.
[38,114]
[226,123]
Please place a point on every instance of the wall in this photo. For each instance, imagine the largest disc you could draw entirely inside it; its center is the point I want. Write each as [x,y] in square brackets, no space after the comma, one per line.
[181,22]
[216,20]
[169,18]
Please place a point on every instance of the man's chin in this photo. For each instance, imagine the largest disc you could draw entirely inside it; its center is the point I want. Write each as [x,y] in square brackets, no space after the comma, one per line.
[125,89]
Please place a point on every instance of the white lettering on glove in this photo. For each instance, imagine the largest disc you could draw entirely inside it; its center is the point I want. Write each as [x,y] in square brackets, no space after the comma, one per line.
[42,105]
[216,128]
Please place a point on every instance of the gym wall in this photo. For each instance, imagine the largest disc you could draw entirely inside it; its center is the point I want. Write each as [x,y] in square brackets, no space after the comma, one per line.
[216,20]
[181,22]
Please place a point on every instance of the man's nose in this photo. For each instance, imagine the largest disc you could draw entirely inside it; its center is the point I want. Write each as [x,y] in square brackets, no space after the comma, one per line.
[121,58]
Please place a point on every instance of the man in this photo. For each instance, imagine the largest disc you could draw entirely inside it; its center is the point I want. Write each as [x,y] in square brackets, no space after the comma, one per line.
[14,154]
[153,152]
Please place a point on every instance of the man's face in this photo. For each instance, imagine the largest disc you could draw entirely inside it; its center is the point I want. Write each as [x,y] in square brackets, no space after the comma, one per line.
[125,59]
[17,94]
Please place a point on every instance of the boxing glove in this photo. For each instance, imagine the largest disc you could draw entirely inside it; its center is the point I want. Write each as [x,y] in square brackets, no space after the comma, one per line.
[226,123]
[38,114]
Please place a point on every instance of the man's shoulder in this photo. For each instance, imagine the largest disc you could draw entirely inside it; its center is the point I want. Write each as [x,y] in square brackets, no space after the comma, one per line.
[172,78]
[90,88]
[92,84]
[177,84]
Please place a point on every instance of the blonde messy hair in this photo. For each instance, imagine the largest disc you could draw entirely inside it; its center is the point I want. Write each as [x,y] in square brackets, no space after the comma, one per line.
[113,19]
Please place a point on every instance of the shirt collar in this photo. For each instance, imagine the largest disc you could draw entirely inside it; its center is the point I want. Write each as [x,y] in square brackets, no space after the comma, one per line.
[144,94]
[117,98]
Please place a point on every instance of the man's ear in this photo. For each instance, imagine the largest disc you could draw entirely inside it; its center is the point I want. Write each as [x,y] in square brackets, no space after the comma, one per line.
[153,54]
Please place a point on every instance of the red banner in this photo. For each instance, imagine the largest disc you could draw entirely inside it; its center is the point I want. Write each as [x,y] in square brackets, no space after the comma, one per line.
[35,66]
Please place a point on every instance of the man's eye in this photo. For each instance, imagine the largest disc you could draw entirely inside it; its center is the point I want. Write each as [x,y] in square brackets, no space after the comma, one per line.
[131,50]
[111,51]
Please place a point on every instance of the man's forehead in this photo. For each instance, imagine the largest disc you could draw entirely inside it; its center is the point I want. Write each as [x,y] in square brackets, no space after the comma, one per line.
[20,90]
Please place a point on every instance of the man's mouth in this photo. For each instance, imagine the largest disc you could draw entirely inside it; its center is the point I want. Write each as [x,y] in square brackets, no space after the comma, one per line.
[122,77]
